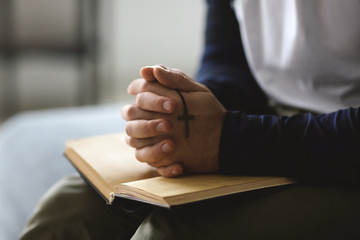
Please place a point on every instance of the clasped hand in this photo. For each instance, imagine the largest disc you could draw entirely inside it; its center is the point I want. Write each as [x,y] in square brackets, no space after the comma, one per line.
[154,130]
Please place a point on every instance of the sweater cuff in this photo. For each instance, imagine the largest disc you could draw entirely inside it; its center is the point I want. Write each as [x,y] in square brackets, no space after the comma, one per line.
[240,138]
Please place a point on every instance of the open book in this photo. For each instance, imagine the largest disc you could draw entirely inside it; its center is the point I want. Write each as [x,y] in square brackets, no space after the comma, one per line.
[109,165]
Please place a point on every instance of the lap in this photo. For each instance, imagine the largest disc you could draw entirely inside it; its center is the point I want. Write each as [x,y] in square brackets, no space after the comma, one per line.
[297,212]
[72,210]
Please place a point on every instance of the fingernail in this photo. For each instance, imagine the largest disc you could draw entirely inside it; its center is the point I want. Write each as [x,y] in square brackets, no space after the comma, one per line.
[167,105]
[166,147]
[161,127]
[174,172]
[161,67]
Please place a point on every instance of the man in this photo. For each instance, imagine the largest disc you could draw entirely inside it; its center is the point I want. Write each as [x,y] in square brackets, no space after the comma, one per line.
[225,123]
[300,72]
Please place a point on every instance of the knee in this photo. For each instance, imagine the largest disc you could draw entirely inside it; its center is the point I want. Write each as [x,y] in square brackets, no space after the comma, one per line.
[61,208]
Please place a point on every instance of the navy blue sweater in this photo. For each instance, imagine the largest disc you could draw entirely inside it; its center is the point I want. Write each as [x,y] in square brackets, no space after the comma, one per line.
[254,141]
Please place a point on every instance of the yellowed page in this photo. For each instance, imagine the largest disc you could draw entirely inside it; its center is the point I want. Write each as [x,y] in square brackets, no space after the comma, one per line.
[111,158]
[172,187]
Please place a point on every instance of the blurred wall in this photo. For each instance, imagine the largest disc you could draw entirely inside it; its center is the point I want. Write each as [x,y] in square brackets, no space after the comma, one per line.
[38,66]
[144,32]
[132,34]
[43,23]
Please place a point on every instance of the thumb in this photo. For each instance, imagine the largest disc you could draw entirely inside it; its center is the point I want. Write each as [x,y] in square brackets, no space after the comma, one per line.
[173,170]
[148,73]
[175,79]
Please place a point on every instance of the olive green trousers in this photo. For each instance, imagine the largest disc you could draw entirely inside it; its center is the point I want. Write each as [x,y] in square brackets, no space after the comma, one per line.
[72,210]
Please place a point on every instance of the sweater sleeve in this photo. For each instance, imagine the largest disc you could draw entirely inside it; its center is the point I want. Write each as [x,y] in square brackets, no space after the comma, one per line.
[321,148]
[224,68]
[307,147]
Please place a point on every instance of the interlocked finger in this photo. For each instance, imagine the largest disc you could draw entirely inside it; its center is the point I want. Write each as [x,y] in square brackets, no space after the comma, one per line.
[156,155]
[175,79]
[133,112]
[143,142]
[147,128]
[153,102]
[172,170]
[141,85]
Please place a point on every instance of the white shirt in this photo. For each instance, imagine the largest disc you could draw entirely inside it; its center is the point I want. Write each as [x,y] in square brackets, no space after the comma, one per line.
[304,53]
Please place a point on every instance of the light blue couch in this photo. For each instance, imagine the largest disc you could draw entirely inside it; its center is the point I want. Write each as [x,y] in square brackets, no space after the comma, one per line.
[31,155]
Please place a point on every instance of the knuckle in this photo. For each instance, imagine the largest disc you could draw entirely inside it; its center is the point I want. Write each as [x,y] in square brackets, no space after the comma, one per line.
[180,78]
[132,142]
[130,88]
[155,154]
[149,128]
[145,155]
[134,86]
[138,156]
[140,99]
[143,86]
[129,112]
[124,111]
[128,129]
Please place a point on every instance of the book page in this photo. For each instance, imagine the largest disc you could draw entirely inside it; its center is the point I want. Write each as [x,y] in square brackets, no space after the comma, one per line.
[111,158]
[170,187]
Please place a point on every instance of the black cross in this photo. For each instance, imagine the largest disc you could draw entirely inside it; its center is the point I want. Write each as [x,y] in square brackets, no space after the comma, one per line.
[185,117]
